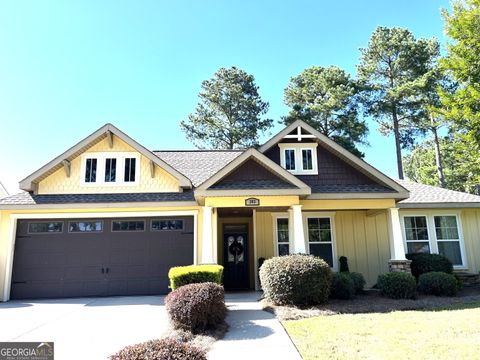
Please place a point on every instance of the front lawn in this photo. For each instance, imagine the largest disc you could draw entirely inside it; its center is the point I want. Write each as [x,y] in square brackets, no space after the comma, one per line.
[449,333]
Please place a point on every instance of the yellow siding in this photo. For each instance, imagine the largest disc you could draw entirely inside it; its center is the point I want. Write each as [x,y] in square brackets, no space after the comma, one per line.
[239,201]
[59,183]
[362,239]
[347,204]
[471,234]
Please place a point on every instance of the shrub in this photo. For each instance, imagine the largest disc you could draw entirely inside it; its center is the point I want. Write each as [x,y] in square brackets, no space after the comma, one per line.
[196,307]
[423,263]
[193,274]
[295,279]
[358,281]
[438,283]
[162,349]
[397,285]
[342,286]
[343,264]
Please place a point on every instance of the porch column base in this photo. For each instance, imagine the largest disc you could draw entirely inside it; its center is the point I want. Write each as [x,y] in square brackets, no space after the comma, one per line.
[399,266]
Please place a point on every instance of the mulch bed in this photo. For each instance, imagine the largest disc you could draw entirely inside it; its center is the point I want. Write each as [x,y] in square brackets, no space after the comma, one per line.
[371,301]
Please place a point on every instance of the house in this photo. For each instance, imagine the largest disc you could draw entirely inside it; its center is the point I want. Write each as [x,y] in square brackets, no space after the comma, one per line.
[3,191]
[109,217]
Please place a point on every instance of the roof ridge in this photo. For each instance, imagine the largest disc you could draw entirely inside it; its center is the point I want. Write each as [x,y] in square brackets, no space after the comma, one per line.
[201,150]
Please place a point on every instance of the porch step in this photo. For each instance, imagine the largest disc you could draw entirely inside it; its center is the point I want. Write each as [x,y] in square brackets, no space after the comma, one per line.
[468,279]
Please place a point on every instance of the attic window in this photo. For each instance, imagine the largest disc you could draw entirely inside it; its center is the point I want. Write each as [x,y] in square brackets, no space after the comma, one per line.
[110,169]
[300,158]
[91,171]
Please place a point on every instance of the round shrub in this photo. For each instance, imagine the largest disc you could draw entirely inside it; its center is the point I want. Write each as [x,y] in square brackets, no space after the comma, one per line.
[162,349]
[295,280]
[423,263]
[193,274]
[196,307]
[397,285]
[342,286]
[438,283]
[358,281]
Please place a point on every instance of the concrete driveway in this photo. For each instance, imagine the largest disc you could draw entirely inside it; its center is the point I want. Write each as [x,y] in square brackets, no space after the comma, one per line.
[84,328]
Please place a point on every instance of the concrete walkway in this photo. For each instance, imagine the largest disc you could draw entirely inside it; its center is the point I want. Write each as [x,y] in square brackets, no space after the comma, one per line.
[253,334]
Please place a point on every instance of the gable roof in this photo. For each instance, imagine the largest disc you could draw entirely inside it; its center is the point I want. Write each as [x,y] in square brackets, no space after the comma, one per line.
[298,187]
[198,165]
[345,155]
[29,183]
[3,191]
[427,196]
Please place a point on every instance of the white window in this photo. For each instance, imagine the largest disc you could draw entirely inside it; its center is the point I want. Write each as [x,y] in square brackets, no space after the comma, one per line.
[110,169]
[320,237]
[434,232]
[299,158]
[282,239]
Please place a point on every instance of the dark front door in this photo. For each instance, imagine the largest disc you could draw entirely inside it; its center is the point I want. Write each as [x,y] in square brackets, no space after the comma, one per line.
[235,256]
[98,257]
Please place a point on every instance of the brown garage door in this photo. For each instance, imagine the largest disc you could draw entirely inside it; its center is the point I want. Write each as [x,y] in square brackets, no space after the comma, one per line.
[98,257]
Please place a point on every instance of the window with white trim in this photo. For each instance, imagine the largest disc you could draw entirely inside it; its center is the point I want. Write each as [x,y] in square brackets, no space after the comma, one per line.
[282,236]
[435,233]
[300,159]
[320,238]
[110,169]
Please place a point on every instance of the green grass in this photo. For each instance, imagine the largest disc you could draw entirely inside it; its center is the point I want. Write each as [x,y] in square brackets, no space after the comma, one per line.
[449,333]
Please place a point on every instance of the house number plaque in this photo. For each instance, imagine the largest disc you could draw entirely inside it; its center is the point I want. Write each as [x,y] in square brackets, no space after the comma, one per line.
[252,202]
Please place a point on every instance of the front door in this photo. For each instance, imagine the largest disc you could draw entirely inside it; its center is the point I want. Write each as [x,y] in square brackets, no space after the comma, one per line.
[235,256]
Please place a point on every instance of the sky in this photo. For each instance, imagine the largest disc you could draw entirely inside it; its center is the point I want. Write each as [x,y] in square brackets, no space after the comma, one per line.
[69,67]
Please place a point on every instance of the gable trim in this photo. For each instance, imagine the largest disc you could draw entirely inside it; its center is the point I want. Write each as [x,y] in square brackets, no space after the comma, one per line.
[31,181]
[330,144]
[302,188]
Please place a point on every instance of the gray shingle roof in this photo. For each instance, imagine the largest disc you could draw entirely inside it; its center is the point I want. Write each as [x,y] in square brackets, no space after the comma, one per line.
[350,188]
[25,198]
[198,165]
[432,196]
[252,184]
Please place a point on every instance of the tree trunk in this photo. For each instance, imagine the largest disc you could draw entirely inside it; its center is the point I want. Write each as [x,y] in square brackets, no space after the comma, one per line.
[438,155]
[398,146]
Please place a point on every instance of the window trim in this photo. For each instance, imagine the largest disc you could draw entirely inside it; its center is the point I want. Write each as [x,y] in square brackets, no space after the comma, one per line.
[85,232]
[316,215]
[275,217]
[404,231]
[145,225]
[101,162]
[298,148]
[166,219]
[433,235]
[45,232]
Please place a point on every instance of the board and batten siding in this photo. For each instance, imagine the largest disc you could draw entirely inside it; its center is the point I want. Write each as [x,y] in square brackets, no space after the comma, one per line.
[59,183]
[471,234]
[362,239]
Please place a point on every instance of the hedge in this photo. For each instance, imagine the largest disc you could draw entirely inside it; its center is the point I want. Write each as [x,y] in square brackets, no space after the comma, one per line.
[193,274]
[161,349]
[397,285]
[423,263]
[438,283]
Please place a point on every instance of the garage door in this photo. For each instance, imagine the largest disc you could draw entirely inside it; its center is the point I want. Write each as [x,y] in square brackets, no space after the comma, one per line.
[98,257]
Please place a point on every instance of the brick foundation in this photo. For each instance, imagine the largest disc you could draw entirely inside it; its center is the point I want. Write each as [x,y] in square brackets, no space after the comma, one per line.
[399,265]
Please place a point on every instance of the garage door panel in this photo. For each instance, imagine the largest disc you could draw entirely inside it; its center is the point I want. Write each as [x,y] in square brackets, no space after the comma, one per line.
[70,264]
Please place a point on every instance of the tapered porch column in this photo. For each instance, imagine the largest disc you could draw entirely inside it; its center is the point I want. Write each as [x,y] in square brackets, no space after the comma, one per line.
[295,230]
[398,262]
[207,236]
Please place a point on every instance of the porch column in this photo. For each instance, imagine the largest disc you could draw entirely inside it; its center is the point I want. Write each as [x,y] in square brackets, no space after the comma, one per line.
[207,236]
[295,229]
[398,262]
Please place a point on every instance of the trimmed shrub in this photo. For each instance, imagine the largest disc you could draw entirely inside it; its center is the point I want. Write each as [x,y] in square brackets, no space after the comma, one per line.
[193,274]
[424,263]
[162,349]
[196,307]
[342,286]
[343,264]
[438,283]
[397,285]
[358,281]
[295,280]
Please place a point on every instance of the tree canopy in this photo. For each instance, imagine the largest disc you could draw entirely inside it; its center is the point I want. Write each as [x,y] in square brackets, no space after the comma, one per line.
[325,98]
[229,114]
[389,69]
[462,25]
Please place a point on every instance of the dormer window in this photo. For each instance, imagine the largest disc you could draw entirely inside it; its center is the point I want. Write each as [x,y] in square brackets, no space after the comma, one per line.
[299,158]
[110,169]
